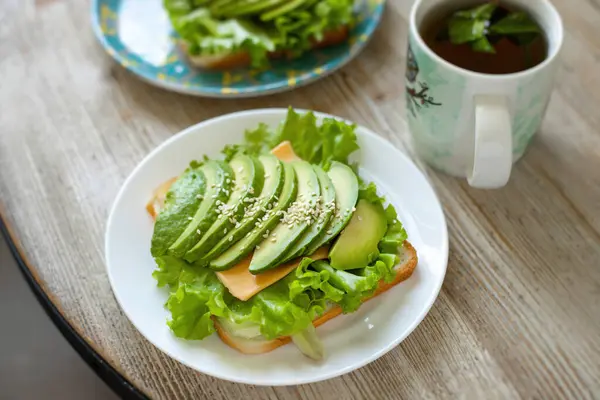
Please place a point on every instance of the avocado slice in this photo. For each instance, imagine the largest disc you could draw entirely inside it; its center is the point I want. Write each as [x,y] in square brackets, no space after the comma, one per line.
[263,226]
[295,221]
[182,202]
[283,9]
[218,176]
[256,207]
[345,184]
[326,209]
[356,247]
[247,8]
[249,179]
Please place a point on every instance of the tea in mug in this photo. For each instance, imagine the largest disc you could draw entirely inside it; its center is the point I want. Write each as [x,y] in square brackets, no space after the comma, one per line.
[491,38]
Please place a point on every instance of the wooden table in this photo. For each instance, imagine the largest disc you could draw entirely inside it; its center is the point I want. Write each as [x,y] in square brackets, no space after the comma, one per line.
[519,312]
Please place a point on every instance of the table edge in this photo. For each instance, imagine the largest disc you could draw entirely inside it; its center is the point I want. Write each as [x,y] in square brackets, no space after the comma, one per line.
[95,360]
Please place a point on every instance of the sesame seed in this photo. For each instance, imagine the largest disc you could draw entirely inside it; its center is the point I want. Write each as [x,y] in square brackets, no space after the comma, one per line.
[359,218]
[228,180]
[198,231]
[190,218]
[273,240]
[199,196]
[225,231]
[213,185]
[230,238]
[353,209]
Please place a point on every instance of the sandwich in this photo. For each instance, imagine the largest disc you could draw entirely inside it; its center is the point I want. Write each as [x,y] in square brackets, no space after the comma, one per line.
[275,238]
[226,34]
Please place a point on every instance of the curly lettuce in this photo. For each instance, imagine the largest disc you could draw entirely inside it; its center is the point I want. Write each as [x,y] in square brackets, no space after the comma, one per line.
[321,144]
[348,289]
[197,295]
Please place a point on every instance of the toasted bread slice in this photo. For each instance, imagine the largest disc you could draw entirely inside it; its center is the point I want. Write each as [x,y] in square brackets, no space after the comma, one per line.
[404,270]
[242,59]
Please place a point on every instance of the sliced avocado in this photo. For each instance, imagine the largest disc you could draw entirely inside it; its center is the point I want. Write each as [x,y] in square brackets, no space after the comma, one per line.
[345,184]
[283,9]
[326,209]
[263,226]
[248,182]
[247,8]
[182,201]
[216,5]
[255,207]
[356,247]
[218,176]
[295,221]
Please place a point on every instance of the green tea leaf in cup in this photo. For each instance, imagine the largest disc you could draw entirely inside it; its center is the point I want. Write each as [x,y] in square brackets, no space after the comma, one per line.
[482,12]
[483,45]
[462,30]
[516,22]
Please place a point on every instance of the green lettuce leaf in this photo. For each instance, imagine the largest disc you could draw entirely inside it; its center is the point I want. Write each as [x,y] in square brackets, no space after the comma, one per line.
[207,35]
[168,270]
[275,313]
[395,234]
[332,140]
[348,289]
[199,295]
[307,279]
[299,28]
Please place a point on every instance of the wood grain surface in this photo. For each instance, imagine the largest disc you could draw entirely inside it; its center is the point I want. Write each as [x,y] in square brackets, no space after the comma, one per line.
[519,312]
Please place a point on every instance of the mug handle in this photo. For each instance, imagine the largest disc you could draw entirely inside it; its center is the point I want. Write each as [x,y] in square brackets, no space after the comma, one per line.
[492,152]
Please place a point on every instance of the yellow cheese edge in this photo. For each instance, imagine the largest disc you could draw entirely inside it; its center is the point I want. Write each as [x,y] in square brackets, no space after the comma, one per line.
[285,152]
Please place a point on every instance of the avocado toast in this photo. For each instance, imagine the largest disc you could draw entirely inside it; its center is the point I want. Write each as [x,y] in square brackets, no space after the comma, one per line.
[291,237]
[225,34]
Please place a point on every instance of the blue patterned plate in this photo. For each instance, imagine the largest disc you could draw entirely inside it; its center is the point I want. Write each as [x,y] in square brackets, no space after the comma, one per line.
[138,34]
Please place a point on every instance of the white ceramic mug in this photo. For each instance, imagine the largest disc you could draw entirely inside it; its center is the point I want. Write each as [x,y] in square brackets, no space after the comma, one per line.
[471,124]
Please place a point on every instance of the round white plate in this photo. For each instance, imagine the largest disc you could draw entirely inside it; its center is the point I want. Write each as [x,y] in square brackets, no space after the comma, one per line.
[350,341]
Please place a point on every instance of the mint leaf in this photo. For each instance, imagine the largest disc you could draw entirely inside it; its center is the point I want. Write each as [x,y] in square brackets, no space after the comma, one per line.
[515,23]
[483,12]
[483,45]
[462,30]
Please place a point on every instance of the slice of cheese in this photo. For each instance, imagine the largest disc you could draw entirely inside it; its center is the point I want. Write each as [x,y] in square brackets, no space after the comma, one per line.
[243,285]
[285,152]
[158,198]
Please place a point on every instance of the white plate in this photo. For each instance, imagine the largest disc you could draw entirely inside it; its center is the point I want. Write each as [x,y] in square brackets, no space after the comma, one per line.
[352,340]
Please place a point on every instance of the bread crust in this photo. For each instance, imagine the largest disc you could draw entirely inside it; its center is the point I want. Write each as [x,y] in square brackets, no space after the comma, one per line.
[253,346]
